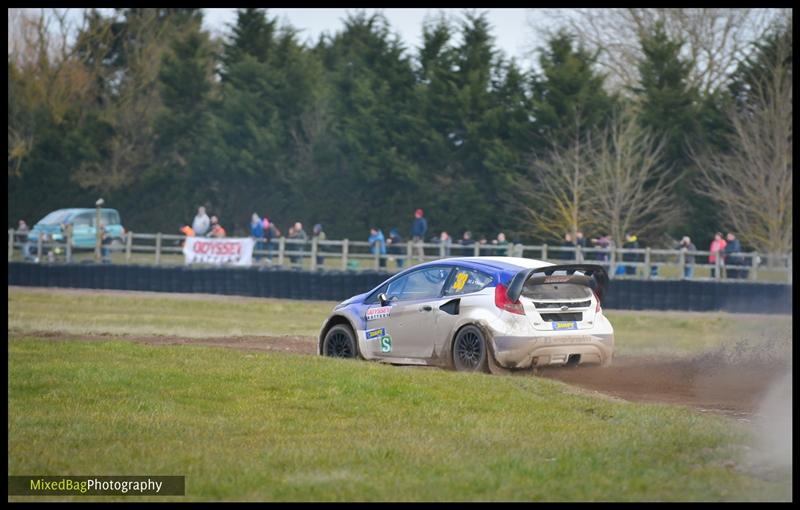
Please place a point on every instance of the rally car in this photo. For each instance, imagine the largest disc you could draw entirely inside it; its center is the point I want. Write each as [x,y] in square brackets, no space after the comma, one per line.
[477,314]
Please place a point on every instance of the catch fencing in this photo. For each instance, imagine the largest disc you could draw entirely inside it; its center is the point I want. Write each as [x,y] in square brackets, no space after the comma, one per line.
[348,255]
[337,285]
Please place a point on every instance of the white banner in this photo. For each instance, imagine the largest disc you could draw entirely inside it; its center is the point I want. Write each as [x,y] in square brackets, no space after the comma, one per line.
[235,251]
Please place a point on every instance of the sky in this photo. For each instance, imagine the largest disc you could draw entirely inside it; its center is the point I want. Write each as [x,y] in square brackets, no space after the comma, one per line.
[510,28]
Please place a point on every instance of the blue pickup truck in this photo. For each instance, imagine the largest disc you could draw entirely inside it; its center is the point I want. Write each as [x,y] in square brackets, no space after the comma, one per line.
[84,230]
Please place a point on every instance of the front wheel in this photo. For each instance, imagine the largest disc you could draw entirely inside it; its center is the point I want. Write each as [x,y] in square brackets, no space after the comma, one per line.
[340,342]
[469,350]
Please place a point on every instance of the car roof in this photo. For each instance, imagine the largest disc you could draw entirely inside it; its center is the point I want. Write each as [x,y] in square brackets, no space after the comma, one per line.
[501,263]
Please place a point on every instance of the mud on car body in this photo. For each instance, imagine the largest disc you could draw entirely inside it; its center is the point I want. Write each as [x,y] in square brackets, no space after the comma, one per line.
[475,314]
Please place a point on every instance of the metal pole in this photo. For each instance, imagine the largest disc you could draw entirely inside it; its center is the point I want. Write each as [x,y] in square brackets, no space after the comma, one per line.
[158,248]
[10,244]
[98,234]
[69,243]
[544,251]
[345,253]
[789,268]
[128,247]
[281,249]
[612,261]
[314,253]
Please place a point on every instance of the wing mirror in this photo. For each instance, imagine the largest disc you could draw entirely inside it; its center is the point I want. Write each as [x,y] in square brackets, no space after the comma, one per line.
[383,298]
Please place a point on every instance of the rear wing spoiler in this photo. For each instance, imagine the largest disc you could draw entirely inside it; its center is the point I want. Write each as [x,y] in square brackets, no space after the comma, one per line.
[593,276]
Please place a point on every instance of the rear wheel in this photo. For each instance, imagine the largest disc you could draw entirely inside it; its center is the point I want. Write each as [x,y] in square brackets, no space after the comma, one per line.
[469,350]
[340,342]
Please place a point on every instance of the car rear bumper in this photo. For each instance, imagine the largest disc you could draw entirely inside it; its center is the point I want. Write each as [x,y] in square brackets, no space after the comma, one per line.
[525,349]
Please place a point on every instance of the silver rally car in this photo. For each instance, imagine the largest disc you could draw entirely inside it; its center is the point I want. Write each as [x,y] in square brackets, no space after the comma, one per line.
[486,314]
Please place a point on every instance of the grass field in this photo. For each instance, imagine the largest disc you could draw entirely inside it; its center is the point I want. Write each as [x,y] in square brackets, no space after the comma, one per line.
[271,426]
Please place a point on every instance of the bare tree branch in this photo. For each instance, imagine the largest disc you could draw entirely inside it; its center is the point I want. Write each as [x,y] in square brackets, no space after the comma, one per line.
[753,181]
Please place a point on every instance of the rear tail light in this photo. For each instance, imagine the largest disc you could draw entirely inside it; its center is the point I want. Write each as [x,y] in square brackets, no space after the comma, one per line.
[501,301]
[597,299]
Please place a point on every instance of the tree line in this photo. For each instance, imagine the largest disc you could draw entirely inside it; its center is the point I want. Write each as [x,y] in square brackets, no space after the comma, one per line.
[147,109]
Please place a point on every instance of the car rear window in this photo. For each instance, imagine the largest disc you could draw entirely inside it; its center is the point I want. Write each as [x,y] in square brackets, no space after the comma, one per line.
[109,217]
[556,291]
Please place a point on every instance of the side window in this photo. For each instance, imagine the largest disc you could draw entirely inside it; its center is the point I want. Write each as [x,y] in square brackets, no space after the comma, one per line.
[466,281]
[83,220]
[422,284]
[109,217]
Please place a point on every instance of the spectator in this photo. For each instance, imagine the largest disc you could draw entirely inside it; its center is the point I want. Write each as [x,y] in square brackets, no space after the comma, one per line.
[296,232]
[483,242]
[377,244]
[418,230]
[569,242]
[445,239]
[603,243]
[579,239]
[271,233]
[216,228]
[502,245]
[318,234]
[717,249]
[466,240]
[686,245]
[257,233]
[105,244]
[631,243]
[394,243]
[22,230]
[201,223]
[187,231]
[732,258]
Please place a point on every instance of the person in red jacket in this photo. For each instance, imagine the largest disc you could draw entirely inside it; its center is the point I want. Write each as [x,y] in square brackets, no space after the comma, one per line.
[716,249]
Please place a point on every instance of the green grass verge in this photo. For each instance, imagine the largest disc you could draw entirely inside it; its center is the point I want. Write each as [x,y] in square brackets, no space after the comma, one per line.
[286,427]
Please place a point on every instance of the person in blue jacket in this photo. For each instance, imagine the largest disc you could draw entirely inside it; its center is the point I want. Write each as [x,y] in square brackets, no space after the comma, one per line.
[377,244]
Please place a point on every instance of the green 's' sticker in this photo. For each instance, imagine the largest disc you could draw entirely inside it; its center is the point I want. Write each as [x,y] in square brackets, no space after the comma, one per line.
[386,344]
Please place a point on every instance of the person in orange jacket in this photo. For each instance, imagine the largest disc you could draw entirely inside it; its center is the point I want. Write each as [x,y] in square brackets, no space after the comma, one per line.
[717,248]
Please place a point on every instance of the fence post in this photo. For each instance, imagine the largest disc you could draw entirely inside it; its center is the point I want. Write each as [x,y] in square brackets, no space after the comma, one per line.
[128,247]
[544,251]
[789,268]
[314,253]
[578,253]
[39,248]
[718,266]
[754,265]
[476,251]
[10,243]
[681,264]
[409,251]
[441,248]
[377,257]
[158,248]
[69,244]
[612,261]
[281,249]
[345,253]
[647,271]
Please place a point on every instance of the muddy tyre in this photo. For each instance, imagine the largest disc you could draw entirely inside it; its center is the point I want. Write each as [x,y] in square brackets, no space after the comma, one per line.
[470,352]
[340,342]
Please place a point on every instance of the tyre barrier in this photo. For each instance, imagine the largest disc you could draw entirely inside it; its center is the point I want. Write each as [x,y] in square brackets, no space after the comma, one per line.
[742,297]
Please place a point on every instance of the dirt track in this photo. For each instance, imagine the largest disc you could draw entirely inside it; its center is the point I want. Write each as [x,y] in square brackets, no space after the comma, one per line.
[709,382]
